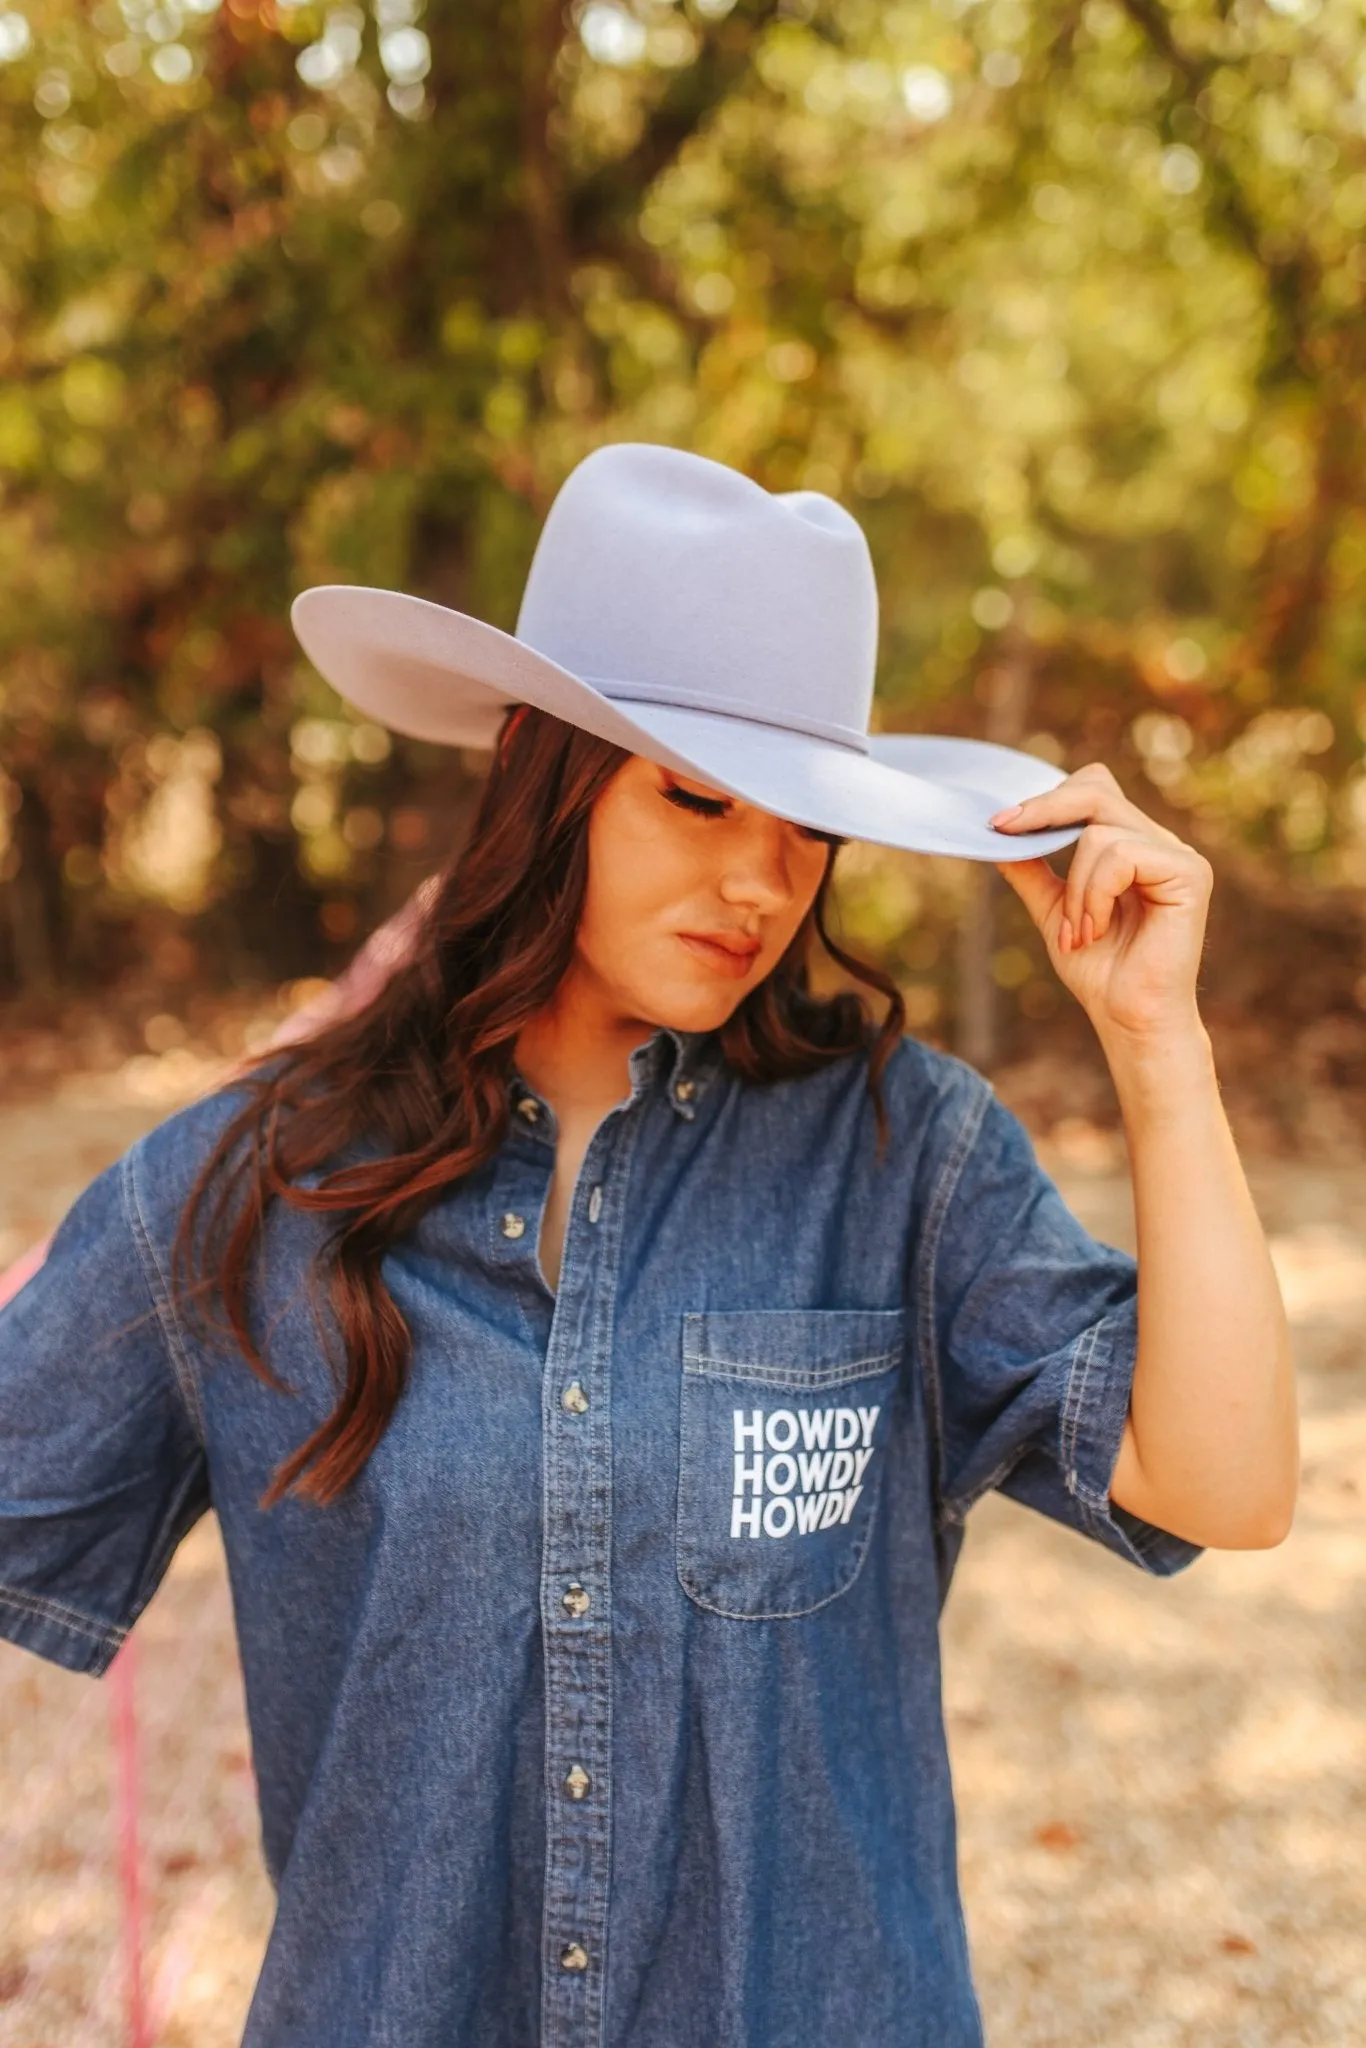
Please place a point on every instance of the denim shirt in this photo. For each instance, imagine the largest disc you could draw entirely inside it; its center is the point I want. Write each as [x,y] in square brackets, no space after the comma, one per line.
[604,1710]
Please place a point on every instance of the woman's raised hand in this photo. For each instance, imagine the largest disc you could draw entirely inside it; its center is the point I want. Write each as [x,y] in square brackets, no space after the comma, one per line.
[1126,925]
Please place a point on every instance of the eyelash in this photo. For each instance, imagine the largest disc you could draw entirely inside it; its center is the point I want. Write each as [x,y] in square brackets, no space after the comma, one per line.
[705,806]
[714,807]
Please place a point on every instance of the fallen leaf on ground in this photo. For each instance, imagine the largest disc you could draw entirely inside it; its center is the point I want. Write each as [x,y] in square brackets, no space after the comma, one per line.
[1057,1834]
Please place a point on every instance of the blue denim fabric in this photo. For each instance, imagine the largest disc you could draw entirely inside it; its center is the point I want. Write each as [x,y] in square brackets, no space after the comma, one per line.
[611,1719]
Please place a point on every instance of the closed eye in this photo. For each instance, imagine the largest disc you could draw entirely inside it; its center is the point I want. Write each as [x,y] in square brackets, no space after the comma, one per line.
[705,806]
[716,807]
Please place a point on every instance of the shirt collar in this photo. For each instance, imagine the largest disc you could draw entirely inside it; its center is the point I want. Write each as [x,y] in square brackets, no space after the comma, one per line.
[688,1062]
[685,1061]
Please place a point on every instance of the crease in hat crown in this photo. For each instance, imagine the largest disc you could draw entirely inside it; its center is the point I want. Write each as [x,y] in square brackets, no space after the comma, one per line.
[663,577]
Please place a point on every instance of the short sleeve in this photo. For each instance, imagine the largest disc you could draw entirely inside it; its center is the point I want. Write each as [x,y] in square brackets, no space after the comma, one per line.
[1030,1327]
[102,1468]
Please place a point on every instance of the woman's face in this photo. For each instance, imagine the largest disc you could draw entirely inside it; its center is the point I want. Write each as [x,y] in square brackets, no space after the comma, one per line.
[692,898]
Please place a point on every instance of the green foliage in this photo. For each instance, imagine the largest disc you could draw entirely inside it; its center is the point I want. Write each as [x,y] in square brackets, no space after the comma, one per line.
[1065,302]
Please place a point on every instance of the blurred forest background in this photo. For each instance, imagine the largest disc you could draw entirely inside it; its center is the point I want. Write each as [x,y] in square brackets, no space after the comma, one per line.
[1064,300]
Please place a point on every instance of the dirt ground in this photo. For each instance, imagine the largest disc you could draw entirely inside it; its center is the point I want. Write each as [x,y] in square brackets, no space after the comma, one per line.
[1161,1784]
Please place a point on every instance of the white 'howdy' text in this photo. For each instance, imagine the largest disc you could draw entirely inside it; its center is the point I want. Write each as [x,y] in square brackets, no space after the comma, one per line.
[798,1469]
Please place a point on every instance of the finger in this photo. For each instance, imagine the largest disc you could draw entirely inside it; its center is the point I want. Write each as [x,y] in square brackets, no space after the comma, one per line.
[1038,888]
[1085,855]
[1089,796]
[1114,870]
[1162,873]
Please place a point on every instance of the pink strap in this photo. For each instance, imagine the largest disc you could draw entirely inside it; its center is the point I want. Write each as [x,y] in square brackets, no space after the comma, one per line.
[24,1268]
[123,1706]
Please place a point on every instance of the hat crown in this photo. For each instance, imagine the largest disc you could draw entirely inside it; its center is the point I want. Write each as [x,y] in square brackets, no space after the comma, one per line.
[662,576]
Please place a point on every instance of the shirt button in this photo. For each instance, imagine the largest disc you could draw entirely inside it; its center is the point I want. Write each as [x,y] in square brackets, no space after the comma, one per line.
[595,1203]
[575,1600]
[574,1398]
[573,1956]
[529,1108]
[577,1781]
[513,1225]
[683,1089]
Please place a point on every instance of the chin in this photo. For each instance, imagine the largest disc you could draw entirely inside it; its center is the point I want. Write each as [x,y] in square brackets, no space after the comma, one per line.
[692,1009]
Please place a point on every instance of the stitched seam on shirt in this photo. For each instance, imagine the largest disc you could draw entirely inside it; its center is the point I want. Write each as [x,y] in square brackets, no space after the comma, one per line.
[797,1377]
[945,1188]
[605,1317]
[1074,1404]
[156,1287]
[1071,1407]
[602,1324]
[110,1634]
[1094,1507]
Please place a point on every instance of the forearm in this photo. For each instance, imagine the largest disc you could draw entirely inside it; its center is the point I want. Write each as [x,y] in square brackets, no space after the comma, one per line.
[1214,1450]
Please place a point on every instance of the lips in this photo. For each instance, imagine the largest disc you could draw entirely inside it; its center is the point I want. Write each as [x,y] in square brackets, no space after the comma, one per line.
[729,951]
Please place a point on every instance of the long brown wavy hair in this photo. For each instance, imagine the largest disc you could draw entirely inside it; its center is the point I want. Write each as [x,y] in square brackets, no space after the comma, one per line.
[424,1066]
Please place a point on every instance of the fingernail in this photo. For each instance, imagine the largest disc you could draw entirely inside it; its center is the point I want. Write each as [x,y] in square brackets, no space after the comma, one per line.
[1065,936]
[1088,929]
[1011,811]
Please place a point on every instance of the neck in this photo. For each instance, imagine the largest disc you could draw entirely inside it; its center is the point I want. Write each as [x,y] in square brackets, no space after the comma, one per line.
[576,1051]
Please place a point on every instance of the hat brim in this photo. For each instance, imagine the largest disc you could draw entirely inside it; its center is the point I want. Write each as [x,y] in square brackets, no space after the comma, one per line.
[422,669]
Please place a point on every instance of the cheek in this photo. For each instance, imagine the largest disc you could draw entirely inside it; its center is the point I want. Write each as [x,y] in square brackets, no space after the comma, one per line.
[635,882]
[806,871]
[611,922]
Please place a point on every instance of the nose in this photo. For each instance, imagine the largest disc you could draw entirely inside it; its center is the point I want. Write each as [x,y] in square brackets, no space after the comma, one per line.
[758,869]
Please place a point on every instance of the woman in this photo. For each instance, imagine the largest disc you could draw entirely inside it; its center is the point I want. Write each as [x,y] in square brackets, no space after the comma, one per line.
[588,1534]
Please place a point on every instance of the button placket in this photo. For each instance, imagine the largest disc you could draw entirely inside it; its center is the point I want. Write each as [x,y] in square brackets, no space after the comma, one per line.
[522,1185]
[576,1595]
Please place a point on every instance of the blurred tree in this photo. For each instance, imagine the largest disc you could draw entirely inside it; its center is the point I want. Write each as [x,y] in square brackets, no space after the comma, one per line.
[1064,300]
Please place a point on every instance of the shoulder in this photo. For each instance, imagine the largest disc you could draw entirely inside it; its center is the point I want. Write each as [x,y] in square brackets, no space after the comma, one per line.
[917,1082]
[935,1104]
[162,1166]
[927,1081]
[943,1115]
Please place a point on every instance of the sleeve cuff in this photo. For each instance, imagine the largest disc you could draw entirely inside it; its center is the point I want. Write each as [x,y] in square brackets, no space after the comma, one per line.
[1095,1408]
[57,1633]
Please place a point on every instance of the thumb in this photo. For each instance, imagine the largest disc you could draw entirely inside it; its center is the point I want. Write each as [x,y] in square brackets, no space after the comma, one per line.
[1036,885]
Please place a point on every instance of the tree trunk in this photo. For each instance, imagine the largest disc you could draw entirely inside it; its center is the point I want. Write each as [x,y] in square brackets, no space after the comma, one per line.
[33,897]
[1009,684]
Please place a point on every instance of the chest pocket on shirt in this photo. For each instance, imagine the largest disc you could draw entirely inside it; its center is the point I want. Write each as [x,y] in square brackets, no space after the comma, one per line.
[784,1420]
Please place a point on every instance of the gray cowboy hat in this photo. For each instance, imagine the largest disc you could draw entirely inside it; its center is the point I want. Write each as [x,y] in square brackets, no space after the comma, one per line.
[679,609]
